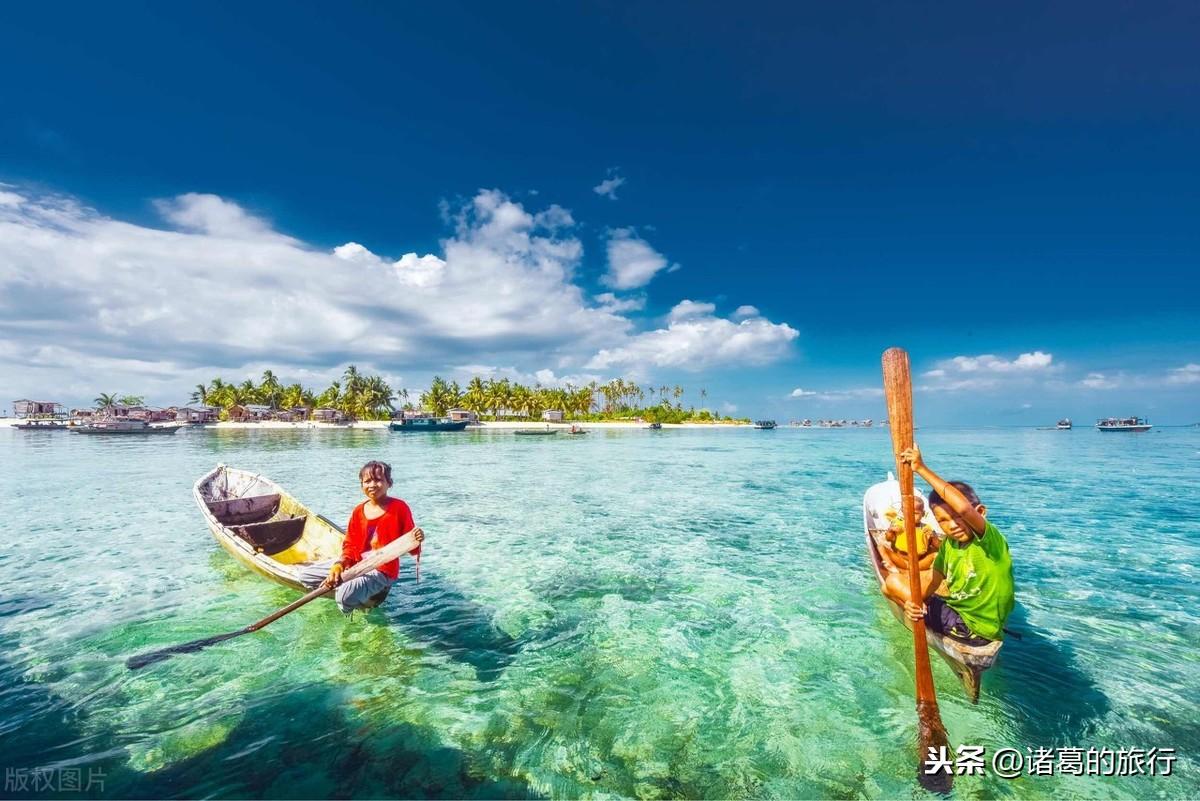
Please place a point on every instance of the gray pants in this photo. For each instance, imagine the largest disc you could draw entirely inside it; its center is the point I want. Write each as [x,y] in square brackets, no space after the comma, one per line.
[363,592]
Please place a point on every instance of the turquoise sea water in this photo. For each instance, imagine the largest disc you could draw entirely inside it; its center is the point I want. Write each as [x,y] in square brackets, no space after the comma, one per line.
[626,614]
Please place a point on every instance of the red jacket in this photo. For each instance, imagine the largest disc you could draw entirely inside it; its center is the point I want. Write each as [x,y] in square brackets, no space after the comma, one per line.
[396,521]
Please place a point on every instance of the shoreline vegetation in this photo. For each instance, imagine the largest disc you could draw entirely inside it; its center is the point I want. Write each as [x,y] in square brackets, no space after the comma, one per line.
[368,398]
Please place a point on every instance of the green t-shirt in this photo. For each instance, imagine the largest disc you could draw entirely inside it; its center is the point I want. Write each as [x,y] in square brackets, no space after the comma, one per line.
[979,581]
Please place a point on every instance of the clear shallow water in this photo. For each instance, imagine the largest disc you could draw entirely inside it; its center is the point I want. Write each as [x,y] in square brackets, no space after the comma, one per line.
[634,613]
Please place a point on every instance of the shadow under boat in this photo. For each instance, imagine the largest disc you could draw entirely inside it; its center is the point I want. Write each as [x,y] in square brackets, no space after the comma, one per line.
[1046,693]
[431,609]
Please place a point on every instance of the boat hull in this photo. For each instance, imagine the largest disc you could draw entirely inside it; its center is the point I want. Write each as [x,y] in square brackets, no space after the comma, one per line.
[408,426]
[243,510]
[967,661]
[1125,428]
[125,431]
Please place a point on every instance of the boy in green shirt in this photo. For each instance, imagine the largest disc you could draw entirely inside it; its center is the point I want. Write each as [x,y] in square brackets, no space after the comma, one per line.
[973,561]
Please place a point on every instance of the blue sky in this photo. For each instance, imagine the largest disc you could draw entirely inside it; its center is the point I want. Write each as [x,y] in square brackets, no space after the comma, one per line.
[1008,192]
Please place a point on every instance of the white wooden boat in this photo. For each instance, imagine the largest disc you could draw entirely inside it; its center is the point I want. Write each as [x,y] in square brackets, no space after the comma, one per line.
[262,526]
[967,661]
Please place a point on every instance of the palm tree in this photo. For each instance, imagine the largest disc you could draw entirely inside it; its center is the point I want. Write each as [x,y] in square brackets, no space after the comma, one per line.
[375,399]
[270,389]
[329,398]
[439,397]
[293,397]
[475,398]
[105,401]
[216,392]
[200,396]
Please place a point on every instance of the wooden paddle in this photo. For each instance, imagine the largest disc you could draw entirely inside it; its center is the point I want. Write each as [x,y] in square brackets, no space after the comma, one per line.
[931,734]
[393,550]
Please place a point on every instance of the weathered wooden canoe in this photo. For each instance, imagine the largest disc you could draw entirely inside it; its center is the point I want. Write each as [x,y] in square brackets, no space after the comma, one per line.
[967,661]
[264,527]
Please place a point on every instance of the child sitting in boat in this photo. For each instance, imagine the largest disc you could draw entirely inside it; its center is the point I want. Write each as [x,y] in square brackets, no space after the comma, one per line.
[374,523]
[973,561]
[896,556]
[927,539]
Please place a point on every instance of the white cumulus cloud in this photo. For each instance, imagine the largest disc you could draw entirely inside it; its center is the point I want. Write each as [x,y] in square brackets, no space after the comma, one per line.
[989,363]
[609,186]
[839,394]
[632,262]
[688,309]
[1188,374]
[1100,381]
[90,303]
[695,342]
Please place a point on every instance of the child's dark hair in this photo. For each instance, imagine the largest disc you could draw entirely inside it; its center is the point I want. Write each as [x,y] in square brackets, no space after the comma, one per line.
[962,486]
[380,470]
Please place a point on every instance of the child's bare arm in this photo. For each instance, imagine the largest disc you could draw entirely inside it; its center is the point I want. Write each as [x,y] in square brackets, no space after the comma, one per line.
[917,611]
[958,502]
[894,558]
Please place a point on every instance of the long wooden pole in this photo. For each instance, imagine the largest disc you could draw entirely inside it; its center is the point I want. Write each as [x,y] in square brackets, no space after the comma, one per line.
[897,387]
[393,550]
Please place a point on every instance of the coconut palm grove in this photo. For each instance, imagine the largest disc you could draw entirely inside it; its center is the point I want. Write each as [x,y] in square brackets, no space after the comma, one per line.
[368,397]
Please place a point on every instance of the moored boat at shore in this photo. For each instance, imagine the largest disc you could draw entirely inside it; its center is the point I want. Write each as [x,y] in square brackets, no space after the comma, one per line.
[428,424]
[262,526]
[536,432]
[1123,424]
[967,661]
[41,425]
[124,426]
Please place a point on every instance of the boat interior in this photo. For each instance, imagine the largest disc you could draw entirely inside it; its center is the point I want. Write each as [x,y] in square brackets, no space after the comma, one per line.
[258,521]
[254,510]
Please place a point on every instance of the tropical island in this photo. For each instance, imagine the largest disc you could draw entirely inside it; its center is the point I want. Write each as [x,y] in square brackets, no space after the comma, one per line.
[359,396]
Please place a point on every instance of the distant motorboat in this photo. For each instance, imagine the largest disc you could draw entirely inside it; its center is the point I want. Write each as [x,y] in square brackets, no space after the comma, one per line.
[41,425]
[655,426]
[765,425]
[428,424]
[1123,424]
[124,426]
[1063,424]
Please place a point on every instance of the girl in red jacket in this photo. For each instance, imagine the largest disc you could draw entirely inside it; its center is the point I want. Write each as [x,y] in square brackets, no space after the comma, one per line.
[374,523]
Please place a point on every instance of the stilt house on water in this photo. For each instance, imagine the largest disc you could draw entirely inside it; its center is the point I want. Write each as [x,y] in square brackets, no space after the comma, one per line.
[39,410]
